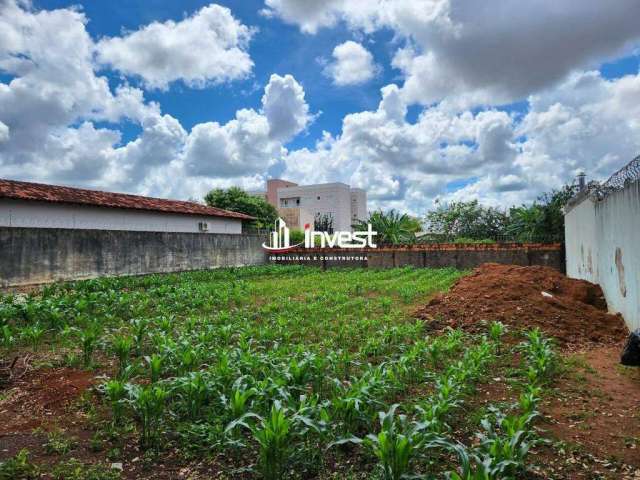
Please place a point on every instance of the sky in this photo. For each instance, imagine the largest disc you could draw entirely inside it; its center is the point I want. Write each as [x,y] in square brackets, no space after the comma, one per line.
[417,101]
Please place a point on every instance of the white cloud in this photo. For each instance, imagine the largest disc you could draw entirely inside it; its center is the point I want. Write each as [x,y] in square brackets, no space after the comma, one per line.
[586,123]
[472,54]
[53,85]
[59,119]
[352,64]
[4,132]
[285,107]
[253,141]
[208,47]
[49,108]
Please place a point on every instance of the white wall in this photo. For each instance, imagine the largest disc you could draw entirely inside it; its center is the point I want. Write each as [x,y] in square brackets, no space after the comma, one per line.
[603,246]
[334,199]
[358,204]
[21,213]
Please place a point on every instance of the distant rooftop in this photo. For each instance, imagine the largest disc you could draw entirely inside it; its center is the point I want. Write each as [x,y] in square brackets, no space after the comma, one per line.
[78,196]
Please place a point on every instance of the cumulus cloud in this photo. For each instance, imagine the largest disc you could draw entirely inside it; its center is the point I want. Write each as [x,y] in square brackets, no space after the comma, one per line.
[50,108]
[352,64]
[53,86]
[208,47]
[252,141]
[586,123]
[285,107]
[4,132]
[482,54]
[59,119]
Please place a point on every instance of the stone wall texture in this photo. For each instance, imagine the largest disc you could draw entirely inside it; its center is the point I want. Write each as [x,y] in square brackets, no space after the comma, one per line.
[461,256]
[32,256]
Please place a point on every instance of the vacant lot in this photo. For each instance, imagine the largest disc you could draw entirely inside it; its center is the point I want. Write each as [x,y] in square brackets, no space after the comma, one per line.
[270,372]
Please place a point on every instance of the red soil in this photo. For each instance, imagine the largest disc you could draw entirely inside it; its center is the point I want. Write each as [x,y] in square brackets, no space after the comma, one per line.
[572,311]
[39,396]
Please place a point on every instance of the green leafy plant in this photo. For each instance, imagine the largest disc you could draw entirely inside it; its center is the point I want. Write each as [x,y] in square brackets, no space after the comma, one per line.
[59,443]
[149,404]
[89,340]
[115,391]
[33,335]
[122,346]
[155,367]
[18,467]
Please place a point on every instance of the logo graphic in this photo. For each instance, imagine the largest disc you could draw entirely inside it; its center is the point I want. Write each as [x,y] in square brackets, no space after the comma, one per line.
[279,241]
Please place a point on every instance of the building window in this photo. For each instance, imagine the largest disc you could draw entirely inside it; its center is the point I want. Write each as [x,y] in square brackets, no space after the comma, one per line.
[318,197]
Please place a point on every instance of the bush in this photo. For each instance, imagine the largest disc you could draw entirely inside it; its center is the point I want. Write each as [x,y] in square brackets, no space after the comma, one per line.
[296,235]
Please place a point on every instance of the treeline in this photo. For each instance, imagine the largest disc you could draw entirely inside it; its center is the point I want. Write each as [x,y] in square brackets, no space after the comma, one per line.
[472,222]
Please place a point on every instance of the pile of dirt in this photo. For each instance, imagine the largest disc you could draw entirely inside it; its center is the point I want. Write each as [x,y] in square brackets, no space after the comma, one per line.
[572,311]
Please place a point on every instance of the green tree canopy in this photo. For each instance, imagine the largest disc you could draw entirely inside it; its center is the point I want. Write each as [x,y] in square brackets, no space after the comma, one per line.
[393,228]
[237,200]
[467,219]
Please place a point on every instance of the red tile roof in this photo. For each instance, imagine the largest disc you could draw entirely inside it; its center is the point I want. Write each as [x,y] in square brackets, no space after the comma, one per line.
[78,196]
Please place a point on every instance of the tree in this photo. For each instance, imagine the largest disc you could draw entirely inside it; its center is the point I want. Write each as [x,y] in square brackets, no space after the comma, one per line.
[544,219]
[468,220]
[392,227]
[323,222]
[237,200]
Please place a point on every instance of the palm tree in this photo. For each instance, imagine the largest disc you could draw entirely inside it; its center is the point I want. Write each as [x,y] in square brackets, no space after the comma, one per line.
[526,223]
[392,227]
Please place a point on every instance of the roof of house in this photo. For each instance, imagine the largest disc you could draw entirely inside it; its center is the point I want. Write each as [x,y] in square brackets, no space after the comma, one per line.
[58,194]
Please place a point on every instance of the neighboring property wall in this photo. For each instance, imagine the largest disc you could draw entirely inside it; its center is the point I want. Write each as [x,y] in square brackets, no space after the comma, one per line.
[22,213]
[31,256]
[603,246]
[429,256]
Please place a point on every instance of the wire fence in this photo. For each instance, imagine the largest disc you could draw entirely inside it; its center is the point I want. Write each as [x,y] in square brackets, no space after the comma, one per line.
[619,180]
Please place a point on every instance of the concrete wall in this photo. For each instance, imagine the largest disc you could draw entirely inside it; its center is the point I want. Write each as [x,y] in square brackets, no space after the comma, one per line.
[435,256]
[31,214]
[603,246]
[30,256]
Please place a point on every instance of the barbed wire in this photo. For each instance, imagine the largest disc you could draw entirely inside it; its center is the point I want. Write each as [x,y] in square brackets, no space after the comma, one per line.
[628,173]
[619,180]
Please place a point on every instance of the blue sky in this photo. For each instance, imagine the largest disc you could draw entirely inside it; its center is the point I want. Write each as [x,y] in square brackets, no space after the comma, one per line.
[276,48]
[454,102]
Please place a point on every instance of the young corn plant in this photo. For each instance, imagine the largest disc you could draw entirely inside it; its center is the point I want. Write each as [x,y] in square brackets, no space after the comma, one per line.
[89,340]
[115,391]
[122,346]
[149,404]
[154,363]
[504,445]
[239,401]
[193,391]
[541,358]
[396,445]
[273,437]
[496,331]
[33,335]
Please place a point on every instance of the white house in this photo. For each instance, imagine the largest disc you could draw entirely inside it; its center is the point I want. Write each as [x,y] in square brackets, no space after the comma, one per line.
[35,205]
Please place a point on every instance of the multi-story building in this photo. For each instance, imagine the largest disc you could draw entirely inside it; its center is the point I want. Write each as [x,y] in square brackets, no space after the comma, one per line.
[301,204]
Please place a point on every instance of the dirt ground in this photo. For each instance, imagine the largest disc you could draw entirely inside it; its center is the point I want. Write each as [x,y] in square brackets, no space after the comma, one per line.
[574,312]
[591,415]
